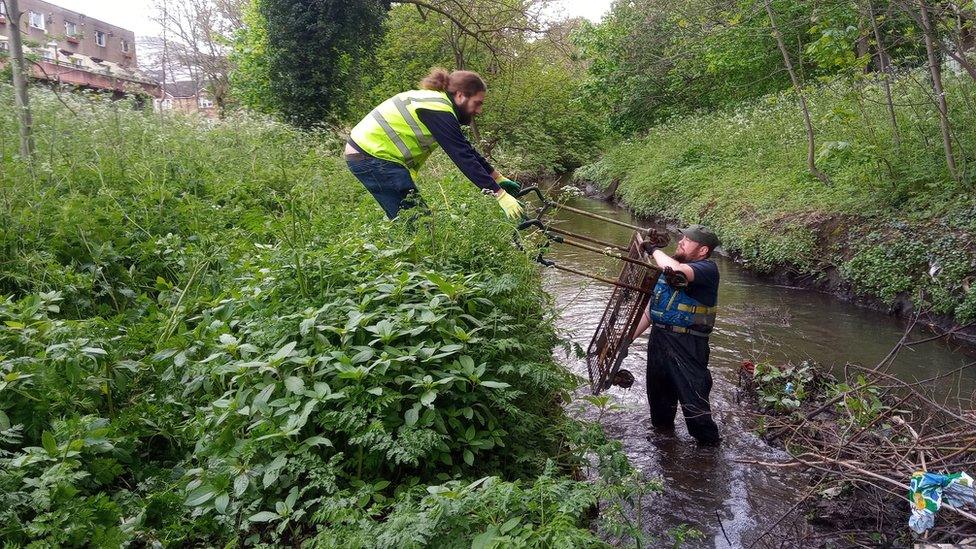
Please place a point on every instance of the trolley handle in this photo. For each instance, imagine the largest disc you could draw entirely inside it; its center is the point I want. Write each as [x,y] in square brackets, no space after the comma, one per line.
[533,189]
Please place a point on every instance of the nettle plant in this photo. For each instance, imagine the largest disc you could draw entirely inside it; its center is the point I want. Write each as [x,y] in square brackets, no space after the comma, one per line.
[783,388]
[412,377]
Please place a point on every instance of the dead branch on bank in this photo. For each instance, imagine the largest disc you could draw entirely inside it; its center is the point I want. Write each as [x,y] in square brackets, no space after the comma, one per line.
[860,438]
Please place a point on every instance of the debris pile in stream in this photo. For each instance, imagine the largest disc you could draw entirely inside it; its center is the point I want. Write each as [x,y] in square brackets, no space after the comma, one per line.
[861,436]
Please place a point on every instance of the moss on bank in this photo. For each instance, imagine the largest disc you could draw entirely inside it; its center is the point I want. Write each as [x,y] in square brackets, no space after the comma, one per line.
[893,226]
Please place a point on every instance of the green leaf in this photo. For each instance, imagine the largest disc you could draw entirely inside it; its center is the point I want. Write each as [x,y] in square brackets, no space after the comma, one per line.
[274,470]
[509,524]
[50,445]
[14,325]
[317,441]
[4,421]
[306,326]
[411,416]
[295,384]
[284,352]
[263,516]
[240,484]
[483,541]
[261,400]
[362,356]
[495,384]
[428,398]
[469,457]
[199,496]
[220,504]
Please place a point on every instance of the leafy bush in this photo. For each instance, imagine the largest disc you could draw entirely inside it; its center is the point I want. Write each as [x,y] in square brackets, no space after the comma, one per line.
[212,335]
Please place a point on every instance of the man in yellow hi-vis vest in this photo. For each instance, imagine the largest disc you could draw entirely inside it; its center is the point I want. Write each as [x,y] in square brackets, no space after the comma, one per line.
[387,148]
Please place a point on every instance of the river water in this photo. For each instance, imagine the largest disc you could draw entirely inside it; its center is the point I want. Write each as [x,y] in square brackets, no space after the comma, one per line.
[709,488]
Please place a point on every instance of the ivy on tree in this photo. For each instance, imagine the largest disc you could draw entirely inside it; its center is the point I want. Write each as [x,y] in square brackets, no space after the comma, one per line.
[315,49]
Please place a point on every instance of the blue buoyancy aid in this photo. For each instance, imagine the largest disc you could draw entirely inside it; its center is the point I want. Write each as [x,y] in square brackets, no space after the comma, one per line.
[680,312]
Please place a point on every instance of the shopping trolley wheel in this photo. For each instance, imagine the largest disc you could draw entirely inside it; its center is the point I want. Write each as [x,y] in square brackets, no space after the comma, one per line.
[623,378]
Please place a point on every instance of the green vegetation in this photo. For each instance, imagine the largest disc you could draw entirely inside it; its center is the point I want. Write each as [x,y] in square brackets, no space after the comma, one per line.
[534,124]
[299,85]
[651,60]
[891,215]
[793,391]
[210,335]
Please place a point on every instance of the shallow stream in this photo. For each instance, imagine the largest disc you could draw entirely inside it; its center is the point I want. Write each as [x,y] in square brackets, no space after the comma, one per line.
[709,488]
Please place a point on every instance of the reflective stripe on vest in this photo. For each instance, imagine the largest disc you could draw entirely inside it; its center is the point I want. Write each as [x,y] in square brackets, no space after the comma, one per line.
[670,307]
[394,132]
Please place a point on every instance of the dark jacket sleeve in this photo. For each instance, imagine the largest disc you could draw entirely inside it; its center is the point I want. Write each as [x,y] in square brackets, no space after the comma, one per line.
[446,130]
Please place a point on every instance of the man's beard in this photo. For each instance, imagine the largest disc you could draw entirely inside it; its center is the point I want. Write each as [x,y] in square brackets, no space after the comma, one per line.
[679,256]
[464,117]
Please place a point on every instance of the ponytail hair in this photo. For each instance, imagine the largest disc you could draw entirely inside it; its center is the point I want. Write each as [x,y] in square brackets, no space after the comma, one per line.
[467,82]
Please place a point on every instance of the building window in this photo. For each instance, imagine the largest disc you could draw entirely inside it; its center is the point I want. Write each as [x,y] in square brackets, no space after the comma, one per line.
[204,103]
[4,46]
[70,29]
[100,38]
[47,55]
[3,9]
[36,20]
[125,46]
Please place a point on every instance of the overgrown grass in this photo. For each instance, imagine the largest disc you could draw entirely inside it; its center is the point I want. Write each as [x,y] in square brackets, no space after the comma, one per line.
[892,213]
[211,335]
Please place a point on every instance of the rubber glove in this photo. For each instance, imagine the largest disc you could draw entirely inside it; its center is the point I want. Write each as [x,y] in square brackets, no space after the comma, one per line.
[513,209]
[511,187]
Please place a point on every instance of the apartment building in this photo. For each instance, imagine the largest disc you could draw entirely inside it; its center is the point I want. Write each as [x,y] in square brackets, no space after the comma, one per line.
[75,49]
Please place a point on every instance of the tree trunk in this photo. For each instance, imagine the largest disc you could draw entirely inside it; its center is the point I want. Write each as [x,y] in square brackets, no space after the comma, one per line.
[885,66]
[811,138]
[936,70]
[21,98]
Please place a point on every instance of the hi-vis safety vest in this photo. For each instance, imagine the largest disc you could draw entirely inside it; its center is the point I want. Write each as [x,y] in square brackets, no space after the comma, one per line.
[680,312]
[394,132]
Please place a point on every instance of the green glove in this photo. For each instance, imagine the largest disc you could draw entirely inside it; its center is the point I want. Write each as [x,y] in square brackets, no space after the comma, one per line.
[513,210]
[511,187]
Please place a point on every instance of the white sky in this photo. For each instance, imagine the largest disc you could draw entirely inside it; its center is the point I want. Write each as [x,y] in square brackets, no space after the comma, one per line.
[134,14]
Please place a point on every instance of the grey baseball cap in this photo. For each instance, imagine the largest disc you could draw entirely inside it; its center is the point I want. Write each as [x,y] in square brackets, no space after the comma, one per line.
[702,235]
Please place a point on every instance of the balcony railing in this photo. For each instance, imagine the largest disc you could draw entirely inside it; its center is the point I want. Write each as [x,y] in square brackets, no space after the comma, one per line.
[106,71]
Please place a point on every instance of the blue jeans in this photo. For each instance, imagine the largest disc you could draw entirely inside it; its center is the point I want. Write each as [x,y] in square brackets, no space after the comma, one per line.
[388,182]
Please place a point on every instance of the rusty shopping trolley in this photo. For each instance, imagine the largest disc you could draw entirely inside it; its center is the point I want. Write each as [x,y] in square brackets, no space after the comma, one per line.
[631,289]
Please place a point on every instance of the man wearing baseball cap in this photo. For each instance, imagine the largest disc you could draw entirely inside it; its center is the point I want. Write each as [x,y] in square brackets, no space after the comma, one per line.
[681,315]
